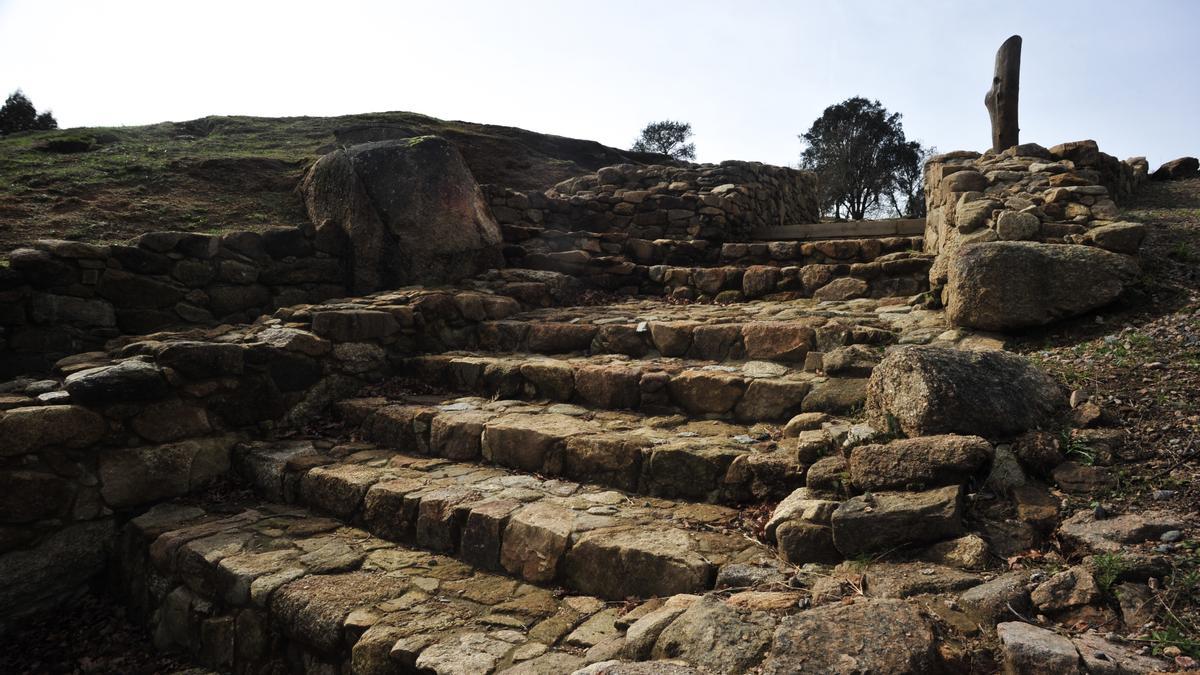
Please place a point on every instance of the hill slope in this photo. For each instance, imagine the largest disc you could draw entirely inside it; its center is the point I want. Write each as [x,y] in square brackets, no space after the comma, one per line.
[236,172]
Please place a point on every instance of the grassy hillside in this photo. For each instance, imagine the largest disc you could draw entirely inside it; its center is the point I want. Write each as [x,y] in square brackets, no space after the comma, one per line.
[221,173]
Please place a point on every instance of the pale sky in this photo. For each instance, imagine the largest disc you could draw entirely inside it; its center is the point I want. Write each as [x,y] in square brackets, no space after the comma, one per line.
[748,75]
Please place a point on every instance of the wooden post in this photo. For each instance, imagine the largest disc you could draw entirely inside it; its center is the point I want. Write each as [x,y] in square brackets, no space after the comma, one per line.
[1001,99]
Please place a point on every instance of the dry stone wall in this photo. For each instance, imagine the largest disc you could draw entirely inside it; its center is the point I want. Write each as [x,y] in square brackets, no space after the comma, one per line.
[724,202]
[1050,214]
[1025,193]
[63,297]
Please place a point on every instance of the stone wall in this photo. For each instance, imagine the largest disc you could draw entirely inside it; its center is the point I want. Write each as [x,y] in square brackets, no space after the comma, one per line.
[1030,193]
[1031,235]
[725,202]
[63,297]
[154,418]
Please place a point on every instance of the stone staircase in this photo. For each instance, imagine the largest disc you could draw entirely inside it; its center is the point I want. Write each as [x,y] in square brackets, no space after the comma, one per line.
[521,482]
[732,271]
[588,539]
[515,475]
[556,491]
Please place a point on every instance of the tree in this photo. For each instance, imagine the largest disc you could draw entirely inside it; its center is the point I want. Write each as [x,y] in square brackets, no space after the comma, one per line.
[907,196]
[18,114]
[667,138]
[861,156]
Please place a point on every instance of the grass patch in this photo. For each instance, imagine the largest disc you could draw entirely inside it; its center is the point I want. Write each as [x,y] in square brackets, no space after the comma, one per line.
[235,172]
[1181,252]
[1108,568]
[1076,449]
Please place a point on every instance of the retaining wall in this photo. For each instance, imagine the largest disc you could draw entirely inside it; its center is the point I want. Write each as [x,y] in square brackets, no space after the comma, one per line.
[724,202]
[63,297]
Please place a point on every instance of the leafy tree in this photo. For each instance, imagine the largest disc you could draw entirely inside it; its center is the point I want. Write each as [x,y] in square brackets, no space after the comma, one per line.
[907,196]
[859,152]
[18,114]
[667,138]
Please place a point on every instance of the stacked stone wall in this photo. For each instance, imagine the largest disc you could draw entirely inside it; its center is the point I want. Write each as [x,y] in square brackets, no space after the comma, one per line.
[64,297]
[1031,235]
[724,202]
[1028,192]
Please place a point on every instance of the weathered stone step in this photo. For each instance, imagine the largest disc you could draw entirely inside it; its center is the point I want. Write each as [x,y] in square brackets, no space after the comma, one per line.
[898,274]
[749,391]
[525,243]
[665,456]
[894,275]
[687,331]
[545,531]
[861,228]
[282,589]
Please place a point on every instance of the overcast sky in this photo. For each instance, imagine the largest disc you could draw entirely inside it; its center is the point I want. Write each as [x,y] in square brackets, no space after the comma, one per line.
[748,75]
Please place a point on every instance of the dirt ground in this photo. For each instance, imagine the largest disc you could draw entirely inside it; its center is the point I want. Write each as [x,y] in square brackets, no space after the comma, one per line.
[92,635]
[1140,360]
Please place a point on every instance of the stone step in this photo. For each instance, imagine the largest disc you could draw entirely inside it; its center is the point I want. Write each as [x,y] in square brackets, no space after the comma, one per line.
[894,275]
[526,242]
[857,228]
[546,531]
[746,391]
[281,589]
[269,588]
[899,274]
[766,330]
[667,456]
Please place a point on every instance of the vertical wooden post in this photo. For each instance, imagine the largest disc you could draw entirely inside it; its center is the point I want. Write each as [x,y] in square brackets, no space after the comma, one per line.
[1001,99]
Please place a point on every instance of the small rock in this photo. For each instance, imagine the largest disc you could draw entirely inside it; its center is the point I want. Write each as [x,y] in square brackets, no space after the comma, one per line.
[1028,649]
[1070,588]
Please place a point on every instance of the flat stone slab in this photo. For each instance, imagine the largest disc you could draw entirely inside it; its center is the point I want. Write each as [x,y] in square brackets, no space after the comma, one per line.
[1112,534]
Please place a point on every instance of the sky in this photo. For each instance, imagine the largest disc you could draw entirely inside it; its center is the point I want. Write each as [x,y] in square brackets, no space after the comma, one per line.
[749,76]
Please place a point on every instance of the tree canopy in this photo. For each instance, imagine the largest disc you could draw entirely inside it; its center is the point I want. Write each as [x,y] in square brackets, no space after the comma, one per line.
[864,162]
[18,114]
[667,138]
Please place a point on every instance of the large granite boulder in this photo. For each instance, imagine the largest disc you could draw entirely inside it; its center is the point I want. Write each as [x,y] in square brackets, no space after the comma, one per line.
[1008,285]
[1184,167]
[922,391]
[410,208]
